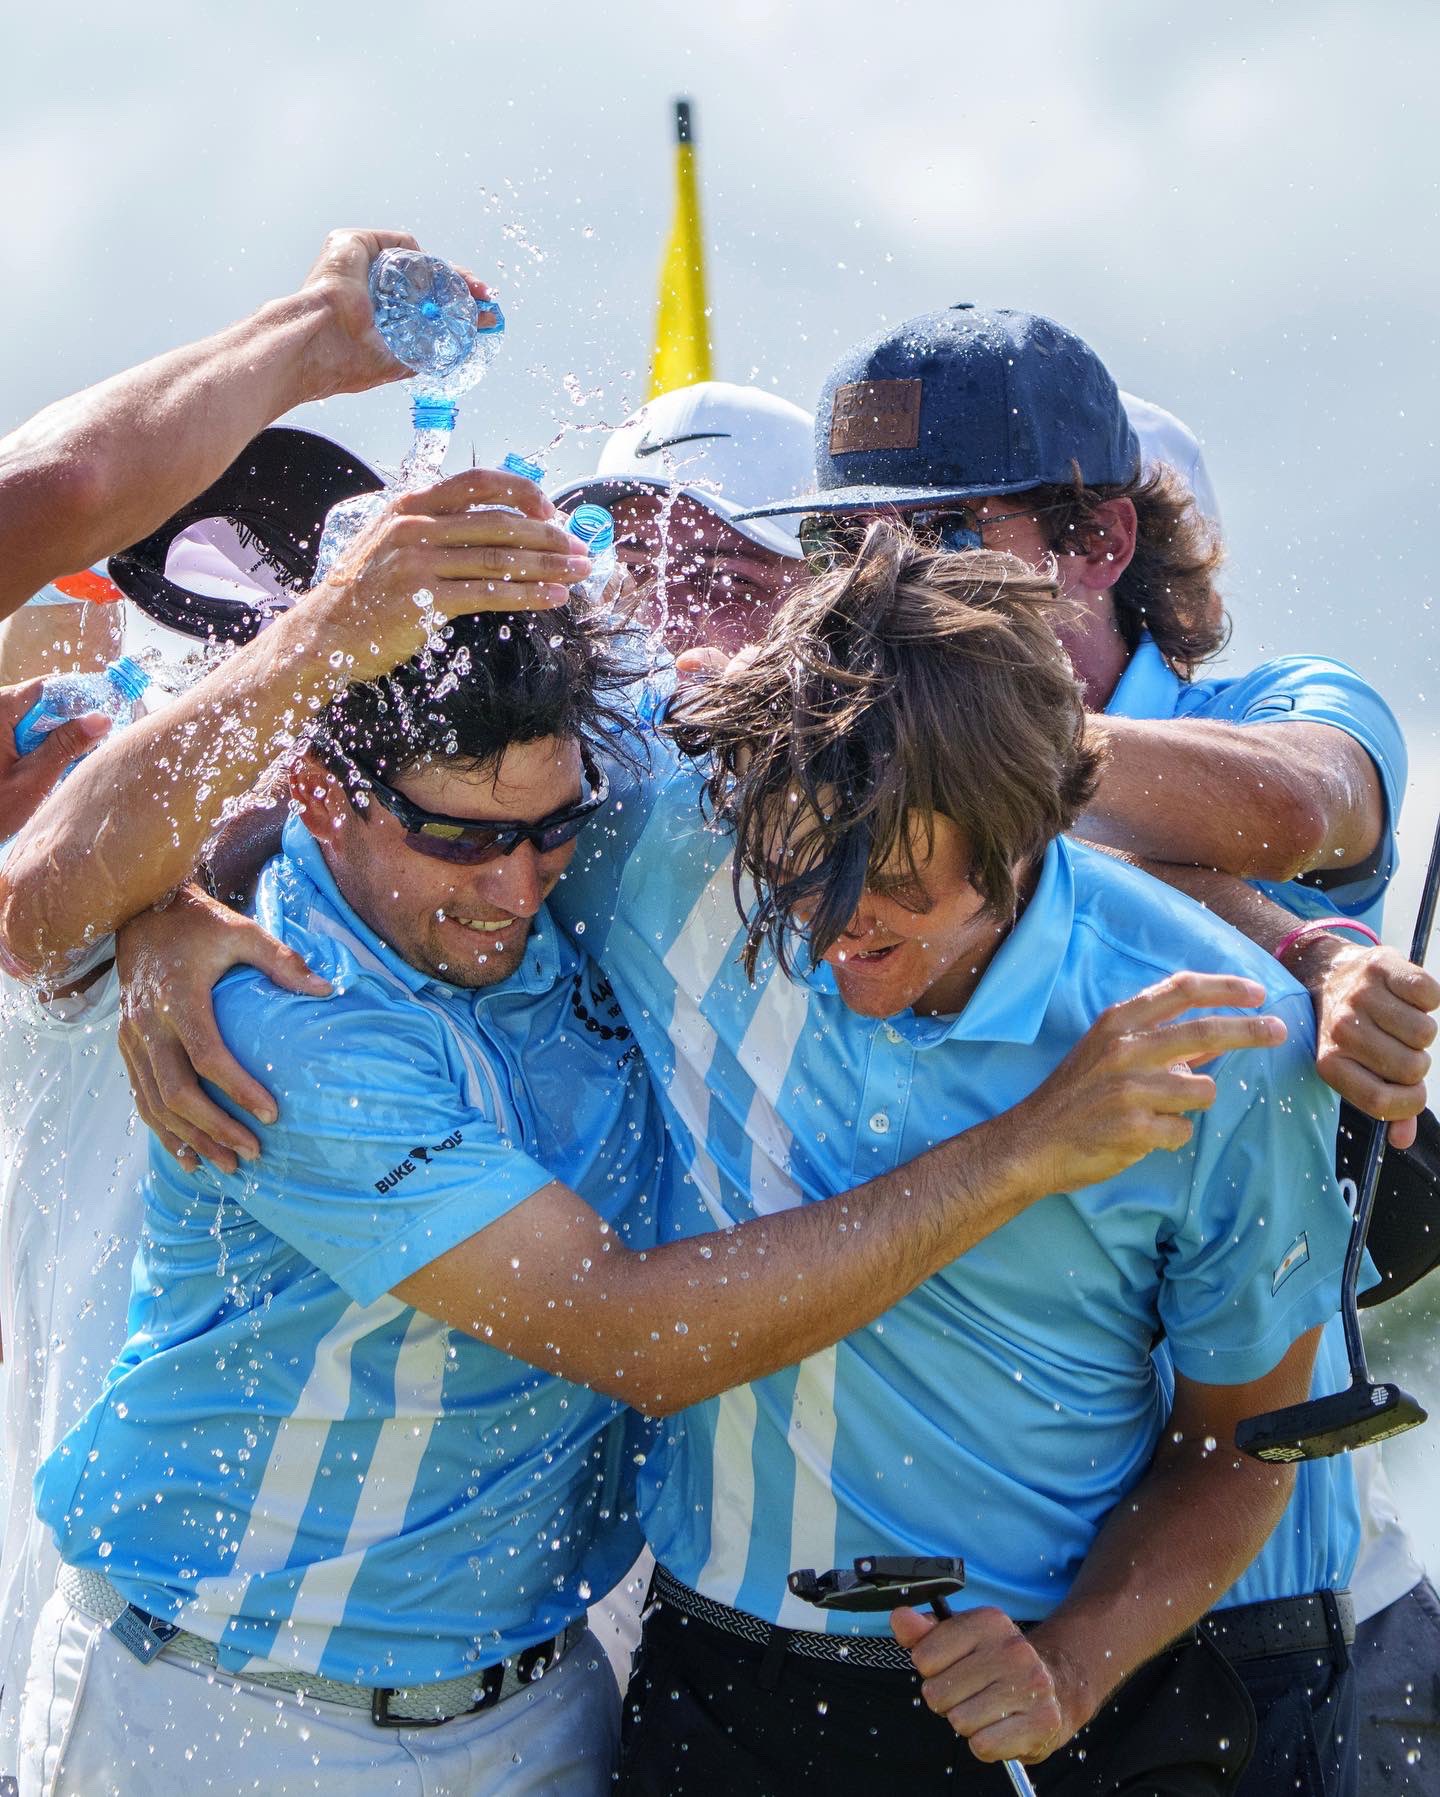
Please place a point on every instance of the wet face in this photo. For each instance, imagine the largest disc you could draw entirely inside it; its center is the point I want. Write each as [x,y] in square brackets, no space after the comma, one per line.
[918,945]
[466,925]
[714,587]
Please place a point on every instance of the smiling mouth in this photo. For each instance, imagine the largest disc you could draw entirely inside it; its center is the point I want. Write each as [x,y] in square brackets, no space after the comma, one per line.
[481,926]
[871,957]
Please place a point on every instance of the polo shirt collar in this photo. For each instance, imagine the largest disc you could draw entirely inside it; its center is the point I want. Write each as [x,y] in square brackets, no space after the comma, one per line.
[1149,687]
[537,972]
[1013,995]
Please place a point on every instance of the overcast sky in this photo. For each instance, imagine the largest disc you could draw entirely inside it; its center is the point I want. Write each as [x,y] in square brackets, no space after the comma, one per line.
[1236,206]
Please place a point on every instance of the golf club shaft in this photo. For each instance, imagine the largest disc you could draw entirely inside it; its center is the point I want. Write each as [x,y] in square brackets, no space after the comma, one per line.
[1375,1152]
[1017,1774]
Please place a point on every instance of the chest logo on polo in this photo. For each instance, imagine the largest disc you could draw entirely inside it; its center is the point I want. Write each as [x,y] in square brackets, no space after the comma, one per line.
[593,1004]
[1295,1256]
[417,1157]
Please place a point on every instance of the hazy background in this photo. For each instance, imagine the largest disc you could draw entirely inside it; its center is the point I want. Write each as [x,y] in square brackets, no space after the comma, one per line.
[1236,206]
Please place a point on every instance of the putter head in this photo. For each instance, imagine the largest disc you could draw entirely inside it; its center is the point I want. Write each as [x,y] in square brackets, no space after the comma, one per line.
[878,1582]
[1352,1418]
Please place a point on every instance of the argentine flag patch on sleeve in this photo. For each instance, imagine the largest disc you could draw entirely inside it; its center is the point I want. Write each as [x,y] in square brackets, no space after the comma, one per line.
[1295,1256]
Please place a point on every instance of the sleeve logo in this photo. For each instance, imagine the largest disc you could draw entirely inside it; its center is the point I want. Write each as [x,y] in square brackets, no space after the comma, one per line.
[1295,1256]
[417,1157]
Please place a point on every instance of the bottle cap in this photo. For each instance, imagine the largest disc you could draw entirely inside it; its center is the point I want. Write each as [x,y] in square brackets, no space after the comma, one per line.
[128,677]
[428,412]
[594,527]
[523,466]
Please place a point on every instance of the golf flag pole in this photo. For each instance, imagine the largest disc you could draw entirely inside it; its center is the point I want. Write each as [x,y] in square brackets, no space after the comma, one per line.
[682,327]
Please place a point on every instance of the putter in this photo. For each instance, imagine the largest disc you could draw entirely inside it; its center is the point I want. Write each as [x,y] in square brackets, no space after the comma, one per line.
[878,1582]
[1365,1411]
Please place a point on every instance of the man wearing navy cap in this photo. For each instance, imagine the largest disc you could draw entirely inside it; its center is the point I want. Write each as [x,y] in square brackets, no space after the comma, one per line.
[1004,429]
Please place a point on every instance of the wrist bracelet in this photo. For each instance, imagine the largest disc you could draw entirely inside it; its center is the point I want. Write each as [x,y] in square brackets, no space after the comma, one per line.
[1307,932]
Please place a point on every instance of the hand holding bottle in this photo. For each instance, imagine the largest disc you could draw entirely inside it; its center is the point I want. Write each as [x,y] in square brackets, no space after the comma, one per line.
[25,780]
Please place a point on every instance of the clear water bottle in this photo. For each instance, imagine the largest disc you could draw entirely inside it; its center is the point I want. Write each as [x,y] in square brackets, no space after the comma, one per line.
[115,691]
[594,529]
[430,321]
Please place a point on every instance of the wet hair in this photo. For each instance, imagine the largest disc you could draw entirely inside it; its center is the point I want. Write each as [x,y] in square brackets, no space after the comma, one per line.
[490,681]
[904,685]
[1169,586]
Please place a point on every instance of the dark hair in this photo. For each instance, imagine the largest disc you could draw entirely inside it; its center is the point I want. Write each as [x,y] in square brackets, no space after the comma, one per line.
[491,680]
[908,684]
[1169,586]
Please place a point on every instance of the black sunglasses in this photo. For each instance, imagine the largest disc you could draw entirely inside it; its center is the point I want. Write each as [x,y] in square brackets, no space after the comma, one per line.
[472,841]
[829,537]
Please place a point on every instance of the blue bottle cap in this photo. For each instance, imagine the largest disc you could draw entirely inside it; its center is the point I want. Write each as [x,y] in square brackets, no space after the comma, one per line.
[523,466]
[127,677]
[594,527]
[428,412]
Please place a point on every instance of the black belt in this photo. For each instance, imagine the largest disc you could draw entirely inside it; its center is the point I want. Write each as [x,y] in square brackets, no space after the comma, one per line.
[1315,1623]
[1310,1624]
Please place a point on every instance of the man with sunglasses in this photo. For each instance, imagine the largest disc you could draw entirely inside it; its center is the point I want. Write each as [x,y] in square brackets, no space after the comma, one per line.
[336,1493]
[1004,429]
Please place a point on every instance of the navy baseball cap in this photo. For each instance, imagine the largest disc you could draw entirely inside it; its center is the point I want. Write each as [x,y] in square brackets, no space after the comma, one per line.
[960,403]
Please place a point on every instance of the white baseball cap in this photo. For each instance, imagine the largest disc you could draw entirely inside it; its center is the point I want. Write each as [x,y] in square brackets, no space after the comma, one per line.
[1163,438]
[726,447]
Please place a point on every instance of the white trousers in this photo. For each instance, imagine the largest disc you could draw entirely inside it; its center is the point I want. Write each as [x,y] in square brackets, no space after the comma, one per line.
[98,1723]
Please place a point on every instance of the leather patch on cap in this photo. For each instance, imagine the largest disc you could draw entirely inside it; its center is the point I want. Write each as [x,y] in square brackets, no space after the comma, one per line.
[875,415]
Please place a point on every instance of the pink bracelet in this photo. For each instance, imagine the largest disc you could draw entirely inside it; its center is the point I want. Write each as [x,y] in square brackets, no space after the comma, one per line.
[1306,932]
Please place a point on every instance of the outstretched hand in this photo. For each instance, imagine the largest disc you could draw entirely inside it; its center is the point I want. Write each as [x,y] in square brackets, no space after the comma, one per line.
[1129,1082]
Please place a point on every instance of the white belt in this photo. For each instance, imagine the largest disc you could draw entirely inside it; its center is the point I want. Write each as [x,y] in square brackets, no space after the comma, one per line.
[419,1706]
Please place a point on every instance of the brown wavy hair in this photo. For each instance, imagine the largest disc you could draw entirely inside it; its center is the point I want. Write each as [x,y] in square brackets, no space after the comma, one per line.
[907,684]
[1169,588]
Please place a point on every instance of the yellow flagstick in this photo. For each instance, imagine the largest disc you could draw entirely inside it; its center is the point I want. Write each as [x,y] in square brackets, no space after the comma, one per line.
[682,329]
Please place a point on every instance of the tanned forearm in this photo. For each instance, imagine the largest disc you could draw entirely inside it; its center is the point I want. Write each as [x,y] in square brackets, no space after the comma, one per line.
[1259,801]
[669,1327]
[130,822]
[40,640]
[1138,1591]
[550,1283]
[95,472]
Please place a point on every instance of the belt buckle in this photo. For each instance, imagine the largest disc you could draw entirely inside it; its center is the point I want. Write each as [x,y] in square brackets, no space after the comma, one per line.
[490,1682]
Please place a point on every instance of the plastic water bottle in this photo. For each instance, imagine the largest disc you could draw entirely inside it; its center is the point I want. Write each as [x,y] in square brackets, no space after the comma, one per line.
[428,318]
[116,692]
[430,322]
[594,529]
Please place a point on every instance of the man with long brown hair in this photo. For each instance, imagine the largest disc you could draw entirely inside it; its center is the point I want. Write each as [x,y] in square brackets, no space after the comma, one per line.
[1271,796]
[891,774]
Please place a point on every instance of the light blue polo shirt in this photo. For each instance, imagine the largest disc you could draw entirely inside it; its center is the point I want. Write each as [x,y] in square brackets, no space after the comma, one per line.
[1298,689]
[1315,1543]
[1004,1408]
[287,1459]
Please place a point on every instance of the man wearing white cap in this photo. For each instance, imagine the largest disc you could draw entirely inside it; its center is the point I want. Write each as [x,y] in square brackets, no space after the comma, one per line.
[676,476]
